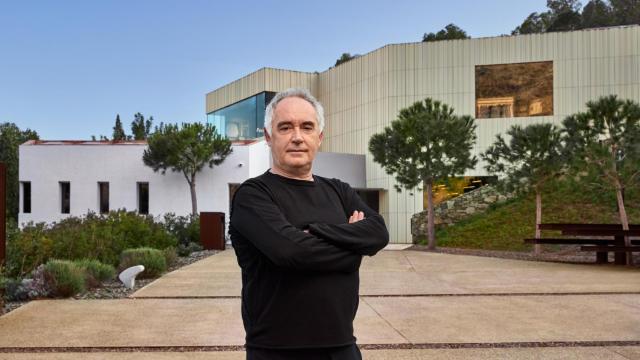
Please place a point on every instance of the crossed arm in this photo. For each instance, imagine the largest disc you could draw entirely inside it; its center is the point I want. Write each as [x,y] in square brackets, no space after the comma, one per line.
[323,247]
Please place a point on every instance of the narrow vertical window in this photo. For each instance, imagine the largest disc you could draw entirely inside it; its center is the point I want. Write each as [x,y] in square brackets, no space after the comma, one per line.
[26,197]
[103,193]
[143,198]
[65,197]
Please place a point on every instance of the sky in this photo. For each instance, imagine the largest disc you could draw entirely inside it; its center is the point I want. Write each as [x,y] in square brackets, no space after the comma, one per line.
[68,67]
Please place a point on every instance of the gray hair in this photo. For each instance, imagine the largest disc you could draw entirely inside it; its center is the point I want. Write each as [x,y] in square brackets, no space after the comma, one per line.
[293,92]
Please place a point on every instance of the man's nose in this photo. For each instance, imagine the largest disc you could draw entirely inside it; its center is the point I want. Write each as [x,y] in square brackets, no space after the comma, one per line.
[297,136]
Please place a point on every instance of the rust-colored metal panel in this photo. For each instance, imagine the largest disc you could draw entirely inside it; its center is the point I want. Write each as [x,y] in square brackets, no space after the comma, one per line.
[3,212]
[212,230]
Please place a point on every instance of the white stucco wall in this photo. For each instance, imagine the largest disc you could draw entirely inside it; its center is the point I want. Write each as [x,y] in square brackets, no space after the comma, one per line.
[121,166]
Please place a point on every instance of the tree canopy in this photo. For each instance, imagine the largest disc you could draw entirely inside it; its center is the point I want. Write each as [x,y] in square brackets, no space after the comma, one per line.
[450,32]
[186,149]
[141,128]
[118,131]
[345,57]
[11,137]
[565,15]
[426,143]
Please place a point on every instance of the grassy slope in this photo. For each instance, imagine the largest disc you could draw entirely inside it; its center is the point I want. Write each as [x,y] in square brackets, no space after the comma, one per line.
[504,227]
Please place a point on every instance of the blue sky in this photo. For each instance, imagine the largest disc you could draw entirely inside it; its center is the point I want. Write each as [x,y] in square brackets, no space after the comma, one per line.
[68,67]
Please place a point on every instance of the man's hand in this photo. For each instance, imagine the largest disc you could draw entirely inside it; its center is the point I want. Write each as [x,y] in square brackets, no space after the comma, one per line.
[356,216]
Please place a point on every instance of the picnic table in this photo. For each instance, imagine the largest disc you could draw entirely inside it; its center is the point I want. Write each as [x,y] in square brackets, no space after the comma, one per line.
[602,238]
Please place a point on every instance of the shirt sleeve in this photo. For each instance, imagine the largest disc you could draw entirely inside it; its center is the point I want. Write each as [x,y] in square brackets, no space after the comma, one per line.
[257,218]
[365,237]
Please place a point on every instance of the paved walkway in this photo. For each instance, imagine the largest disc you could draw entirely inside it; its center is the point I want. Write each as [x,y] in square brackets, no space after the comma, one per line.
[423,302]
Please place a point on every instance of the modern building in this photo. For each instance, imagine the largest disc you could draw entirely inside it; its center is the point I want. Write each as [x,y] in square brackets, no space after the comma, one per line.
[501,81]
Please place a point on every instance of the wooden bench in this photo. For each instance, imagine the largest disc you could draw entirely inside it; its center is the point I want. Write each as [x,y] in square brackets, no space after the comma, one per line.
[613,240]
[574,241]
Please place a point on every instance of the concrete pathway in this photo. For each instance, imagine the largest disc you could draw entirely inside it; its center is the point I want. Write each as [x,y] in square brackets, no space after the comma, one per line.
[582,353]
[417,273]
[421,301]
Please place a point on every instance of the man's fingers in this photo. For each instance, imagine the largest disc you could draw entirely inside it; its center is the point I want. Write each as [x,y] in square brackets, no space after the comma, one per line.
[356,216]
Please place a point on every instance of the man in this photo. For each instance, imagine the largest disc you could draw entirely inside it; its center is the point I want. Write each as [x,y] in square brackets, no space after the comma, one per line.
[299,239]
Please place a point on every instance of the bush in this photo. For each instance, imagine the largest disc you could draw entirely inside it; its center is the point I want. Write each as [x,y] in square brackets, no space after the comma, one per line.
[64,278]
[186,229]
[170,255]
[101,237]
[153,260]
[186,250]
[95,271]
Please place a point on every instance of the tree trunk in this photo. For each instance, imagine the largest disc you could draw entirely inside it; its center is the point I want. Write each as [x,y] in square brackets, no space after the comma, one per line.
[194,201]
[537,248]
[624,220]
[621,209]
[430,218]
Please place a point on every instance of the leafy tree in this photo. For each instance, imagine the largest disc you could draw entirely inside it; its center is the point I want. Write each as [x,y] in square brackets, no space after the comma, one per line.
[560,6]
[425,143]
[534,24]
[626,12]
[597,13]
[605,140]
[533,157]
[450,32]
[186,149]
[565,21]
[141,128]
[10,138]
[118,131]
[345,57]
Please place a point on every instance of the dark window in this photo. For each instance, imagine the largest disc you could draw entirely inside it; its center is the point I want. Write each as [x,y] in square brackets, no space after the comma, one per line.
[371,198]
[103,193]
[514,90]
[26,197]
[65,197]
[143,198]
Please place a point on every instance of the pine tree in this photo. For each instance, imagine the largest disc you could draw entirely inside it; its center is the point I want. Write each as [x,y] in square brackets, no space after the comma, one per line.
[118,131]
[426,143]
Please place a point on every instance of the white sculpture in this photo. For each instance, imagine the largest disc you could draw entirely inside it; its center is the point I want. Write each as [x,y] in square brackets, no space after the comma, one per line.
[128,276]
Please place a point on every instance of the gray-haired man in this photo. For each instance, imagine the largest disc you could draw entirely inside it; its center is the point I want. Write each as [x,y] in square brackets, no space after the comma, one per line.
[299,239]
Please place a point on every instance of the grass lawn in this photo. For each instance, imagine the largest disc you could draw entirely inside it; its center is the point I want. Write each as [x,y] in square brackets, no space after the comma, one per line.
[504,226]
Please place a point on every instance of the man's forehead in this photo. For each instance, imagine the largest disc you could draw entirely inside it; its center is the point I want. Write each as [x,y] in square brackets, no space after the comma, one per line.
[294,109]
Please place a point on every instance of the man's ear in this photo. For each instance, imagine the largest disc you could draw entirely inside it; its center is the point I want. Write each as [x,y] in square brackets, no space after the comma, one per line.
[267,136]
[321,136]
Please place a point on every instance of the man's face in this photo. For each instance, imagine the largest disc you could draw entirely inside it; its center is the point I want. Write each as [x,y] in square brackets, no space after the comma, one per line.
[295,135]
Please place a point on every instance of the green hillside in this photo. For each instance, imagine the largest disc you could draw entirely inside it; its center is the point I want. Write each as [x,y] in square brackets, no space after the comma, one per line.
[504,226]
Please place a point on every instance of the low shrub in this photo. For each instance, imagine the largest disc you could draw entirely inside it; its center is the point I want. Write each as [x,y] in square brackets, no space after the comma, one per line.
[153,260]
[170,255]
[186,250]
[186,229]
[101,237]
[95,271]
[64,278]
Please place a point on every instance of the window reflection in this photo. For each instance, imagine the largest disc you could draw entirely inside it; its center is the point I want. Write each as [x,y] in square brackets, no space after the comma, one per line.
[243,120]
[514,90]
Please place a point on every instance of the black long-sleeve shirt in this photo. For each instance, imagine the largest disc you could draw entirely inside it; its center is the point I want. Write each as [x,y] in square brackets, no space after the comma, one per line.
[300,288]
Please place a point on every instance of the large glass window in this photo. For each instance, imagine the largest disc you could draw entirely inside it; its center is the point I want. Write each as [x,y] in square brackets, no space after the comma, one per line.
[514,90]
[243,120]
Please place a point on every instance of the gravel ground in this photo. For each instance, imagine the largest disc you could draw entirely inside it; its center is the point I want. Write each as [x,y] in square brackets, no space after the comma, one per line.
[113,289]
[564,254]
